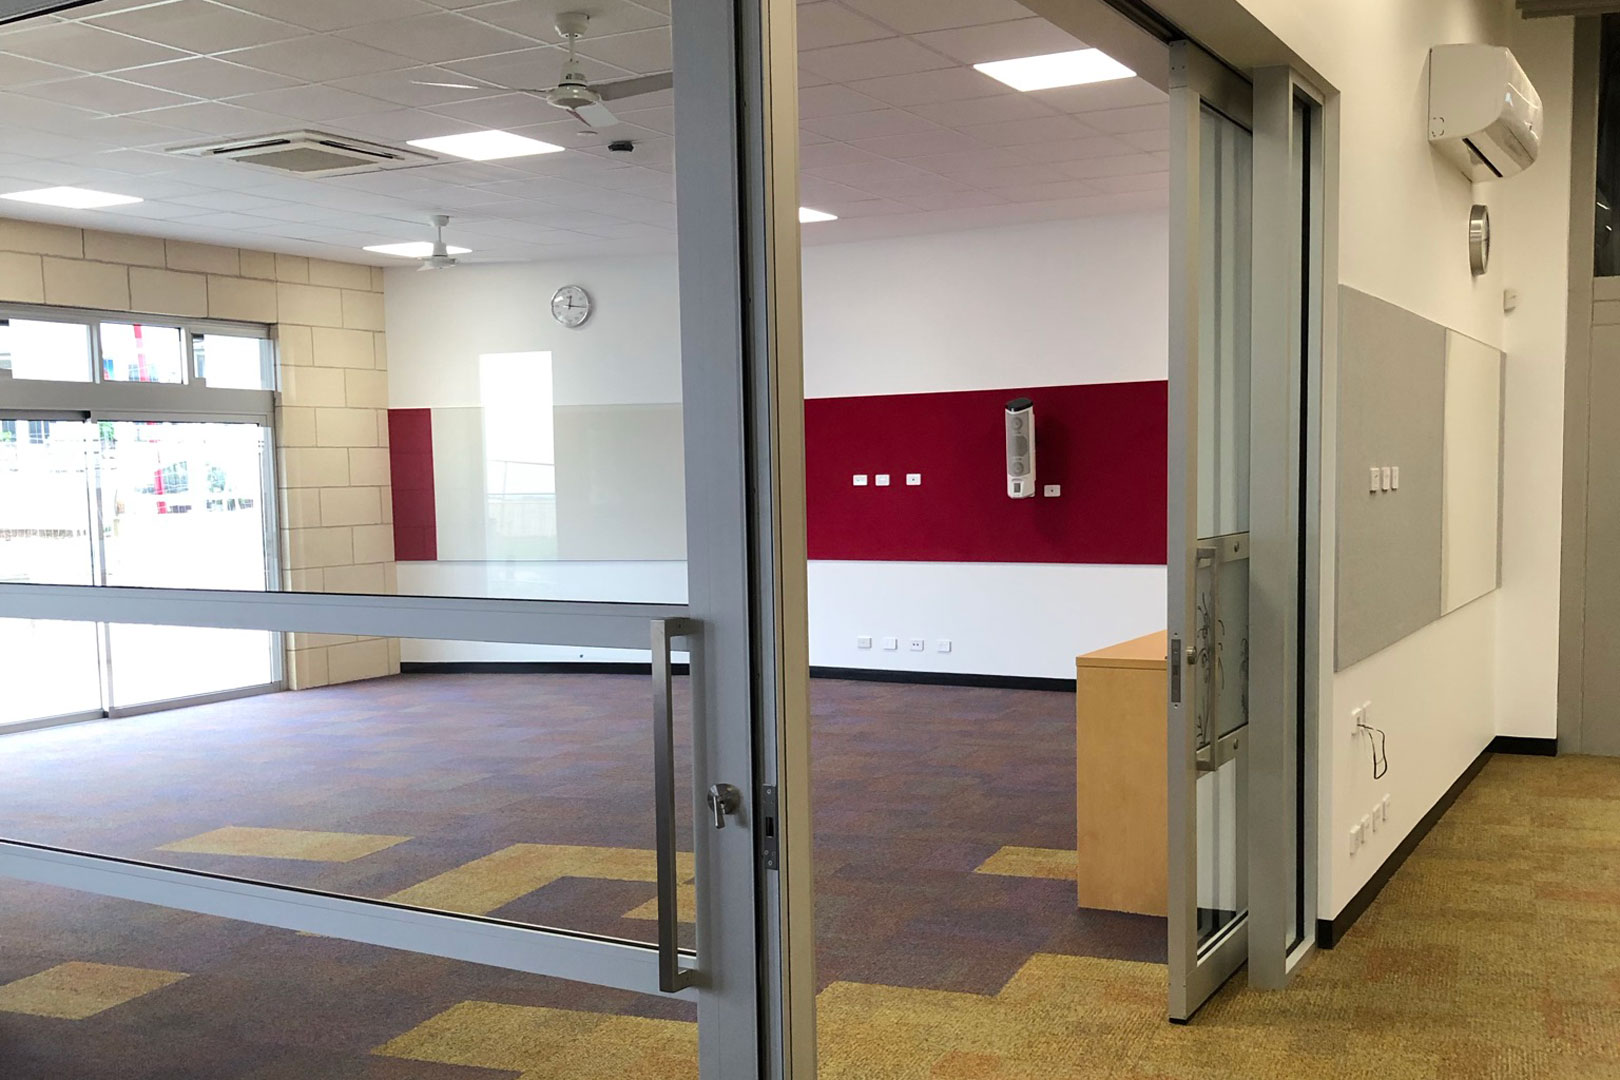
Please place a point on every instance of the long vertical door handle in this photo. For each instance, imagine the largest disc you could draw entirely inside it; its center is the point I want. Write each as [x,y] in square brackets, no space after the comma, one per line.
[671,976]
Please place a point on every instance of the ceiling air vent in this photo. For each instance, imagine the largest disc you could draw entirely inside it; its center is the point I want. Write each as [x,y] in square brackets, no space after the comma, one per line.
[308,153]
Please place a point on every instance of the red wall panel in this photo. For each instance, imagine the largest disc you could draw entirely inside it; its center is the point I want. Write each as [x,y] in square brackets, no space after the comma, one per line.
[1103,442]
[410,460]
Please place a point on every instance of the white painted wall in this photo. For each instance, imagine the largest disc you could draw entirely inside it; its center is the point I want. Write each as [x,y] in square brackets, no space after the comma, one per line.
[962,311]
[951,311]
[1531,224]
[1402,236]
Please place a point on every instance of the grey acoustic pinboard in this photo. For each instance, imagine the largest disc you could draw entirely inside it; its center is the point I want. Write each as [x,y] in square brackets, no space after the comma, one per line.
[1392,407]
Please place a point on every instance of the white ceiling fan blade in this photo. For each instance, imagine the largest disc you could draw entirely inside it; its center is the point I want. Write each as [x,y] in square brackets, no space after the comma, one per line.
[597,115]
[452,85]
[619,89]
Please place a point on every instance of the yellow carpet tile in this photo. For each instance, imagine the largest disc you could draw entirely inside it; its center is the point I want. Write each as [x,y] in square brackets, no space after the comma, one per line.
[303,844]
[1057,863]
[685,905]
[76,991]
[481,886]
[547,1044]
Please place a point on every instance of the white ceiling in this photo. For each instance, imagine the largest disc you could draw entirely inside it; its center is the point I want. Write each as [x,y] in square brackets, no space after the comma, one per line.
[899,133]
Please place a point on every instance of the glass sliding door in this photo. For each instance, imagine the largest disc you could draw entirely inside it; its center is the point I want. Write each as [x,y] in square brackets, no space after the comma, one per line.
[637,833]
[1287,306]
[1210,392]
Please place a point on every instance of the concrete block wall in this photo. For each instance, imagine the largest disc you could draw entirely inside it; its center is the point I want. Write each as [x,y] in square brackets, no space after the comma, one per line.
[335,502]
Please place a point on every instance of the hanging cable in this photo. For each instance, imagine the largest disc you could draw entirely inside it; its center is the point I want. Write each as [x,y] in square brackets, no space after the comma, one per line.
[1380,753]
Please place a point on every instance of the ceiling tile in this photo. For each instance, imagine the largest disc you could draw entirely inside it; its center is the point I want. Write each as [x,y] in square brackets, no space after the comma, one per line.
[986,110]
[19,70]
[1115,94]
[833,153]
[948,84]
[955,200]
[1047,192]
[823,25]
[1140,118]
[918,16]
[964,161]
[198,26]
[1006,176]
[855,174]
[1159,181]
[643,52]
[506,112]
[1148,140]
[1001,41]
[888,56]
[1095,146]
[869,125]
[104,95]
[404,87]
[538,18]
[319,58]
[906,188]
[326,15]
[833,100]
[920,144]
[313,104]
[437,38]
[1035,130]
[87,48]
[205,77]
[209,118]
[1121,165]
[536,68]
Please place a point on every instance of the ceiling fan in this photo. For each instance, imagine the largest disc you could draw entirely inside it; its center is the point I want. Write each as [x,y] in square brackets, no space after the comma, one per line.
[573,94]
[440,258]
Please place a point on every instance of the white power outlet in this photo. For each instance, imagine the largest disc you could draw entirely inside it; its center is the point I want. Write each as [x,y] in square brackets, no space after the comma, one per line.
[863,642]
[918,644]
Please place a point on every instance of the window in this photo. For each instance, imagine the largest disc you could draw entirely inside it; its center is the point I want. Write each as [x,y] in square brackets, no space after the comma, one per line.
[230,362]
[33,349]
[138,352]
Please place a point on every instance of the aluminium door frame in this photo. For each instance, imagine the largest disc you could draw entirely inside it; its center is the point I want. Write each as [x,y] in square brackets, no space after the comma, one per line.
[1285,630]
[1197,80]
[751,975]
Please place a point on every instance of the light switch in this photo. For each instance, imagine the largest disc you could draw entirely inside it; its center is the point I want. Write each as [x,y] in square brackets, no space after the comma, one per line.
[1386,477]
[913,479]
[882,479]
[1053,491]
[1377,474]
[860,479]
[944,645]
[863,642]
[1395,477]
[891,644]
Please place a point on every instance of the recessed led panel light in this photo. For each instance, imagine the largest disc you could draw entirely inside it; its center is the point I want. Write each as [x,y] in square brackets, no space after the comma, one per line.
[73,198]
[487,145]
[807,215]
[415,249]
[1056,69]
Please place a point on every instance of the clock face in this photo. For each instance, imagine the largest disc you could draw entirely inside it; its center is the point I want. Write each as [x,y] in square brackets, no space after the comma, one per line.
[571,305]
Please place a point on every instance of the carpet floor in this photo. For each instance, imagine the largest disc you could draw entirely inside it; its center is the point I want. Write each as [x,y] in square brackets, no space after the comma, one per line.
[1494,953]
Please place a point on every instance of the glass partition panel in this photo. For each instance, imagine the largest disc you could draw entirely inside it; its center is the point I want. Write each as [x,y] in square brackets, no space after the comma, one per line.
[48,669]
[502,780]
[123,979]
[36,349]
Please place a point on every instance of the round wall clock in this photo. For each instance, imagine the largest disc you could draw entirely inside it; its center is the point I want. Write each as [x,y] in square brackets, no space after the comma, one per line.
[571,305]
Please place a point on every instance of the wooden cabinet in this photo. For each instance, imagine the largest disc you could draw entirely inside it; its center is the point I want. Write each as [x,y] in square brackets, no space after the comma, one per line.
[1123,815]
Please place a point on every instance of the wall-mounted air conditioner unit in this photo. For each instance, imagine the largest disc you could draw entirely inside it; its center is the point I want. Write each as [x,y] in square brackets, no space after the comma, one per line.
[1484,115]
